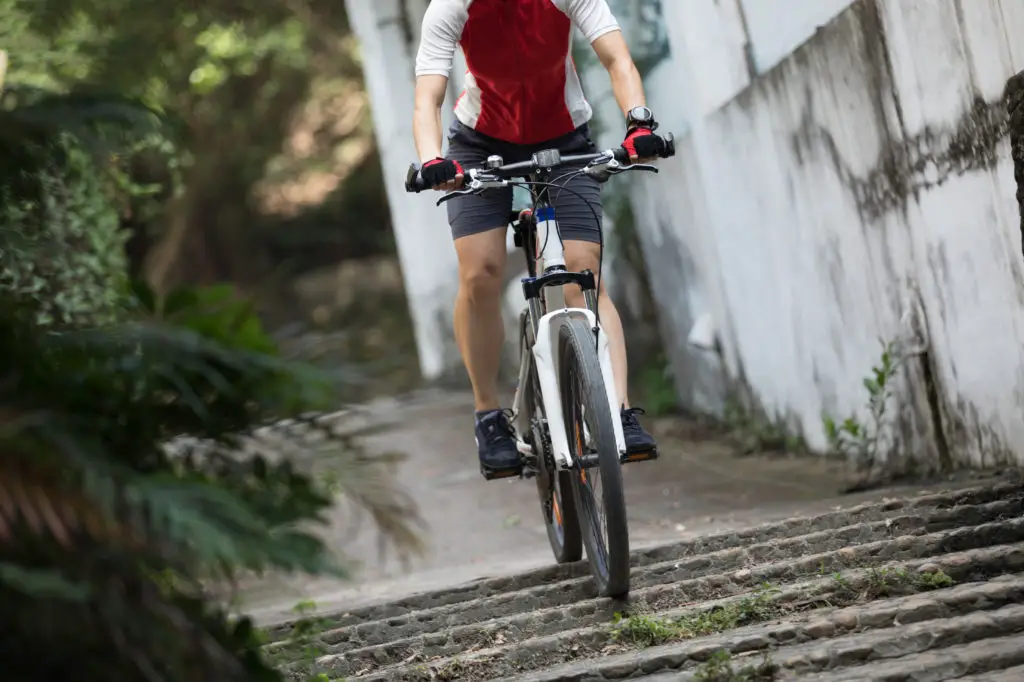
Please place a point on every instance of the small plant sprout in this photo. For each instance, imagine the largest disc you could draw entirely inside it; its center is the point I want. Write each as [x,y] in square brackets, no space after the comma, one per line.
[858,441]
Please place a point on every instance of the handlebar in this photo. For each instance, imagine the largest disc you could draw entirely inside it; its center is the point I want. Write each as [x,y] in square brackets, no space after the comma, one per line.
[608,162]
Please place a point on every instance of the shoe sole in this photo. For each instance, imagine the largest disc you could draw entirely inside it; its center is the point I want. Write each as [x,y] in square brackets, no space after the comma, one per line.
[492,474]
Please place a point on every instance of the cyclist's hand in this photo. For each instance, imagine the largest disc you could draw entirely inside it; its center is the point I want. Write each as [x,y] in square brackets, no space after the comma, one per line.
[643,145]
[442,174]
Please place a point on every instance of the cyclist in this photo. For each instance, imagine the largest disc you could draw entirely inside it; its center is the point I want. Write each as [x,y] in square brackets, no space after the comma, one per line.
[522,94]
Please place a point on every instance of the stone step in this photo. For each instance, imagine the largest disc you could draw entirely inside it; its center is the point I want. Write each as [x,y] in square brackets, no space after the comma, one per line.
[595,614]
[675,582]
[596,646]
[949,663]
[798,653]
[1014,674]
[930,666]
[800,597]
[759,535]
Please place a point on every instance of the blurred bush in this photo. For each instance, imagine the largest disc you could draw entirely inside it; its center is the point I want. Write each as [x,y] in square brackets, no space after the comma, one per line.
[62,195]
[129,487]
[108,536]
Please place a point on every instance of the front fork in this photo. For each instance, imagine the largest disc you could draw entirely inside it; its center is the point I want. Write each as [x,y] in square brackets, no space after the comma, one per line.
[529,323]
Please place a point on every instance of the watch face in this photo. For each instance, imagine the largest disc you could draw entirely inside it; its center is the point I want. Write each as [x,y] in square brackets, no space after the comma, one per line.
[641,114]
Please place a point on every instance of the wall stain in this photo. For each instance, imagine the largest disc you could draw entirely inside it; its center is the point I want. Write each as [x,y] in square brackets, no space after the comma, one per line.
[405,22]
[906,166]
[904,170]
[1013,99]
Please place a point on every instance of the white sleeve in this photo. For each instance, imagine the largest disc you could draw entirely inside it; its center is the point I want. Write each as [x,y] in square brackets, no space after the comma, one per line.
[593,18]
[441,32]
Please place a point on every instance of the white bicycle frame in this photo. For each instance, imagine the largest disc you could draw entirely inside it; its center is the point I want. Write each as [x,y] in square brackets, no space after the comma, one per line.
[545,355]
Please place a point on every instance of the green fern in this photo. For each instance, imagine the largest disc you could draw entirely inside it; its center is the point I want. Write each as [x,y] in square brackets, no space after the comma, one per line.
[111,525]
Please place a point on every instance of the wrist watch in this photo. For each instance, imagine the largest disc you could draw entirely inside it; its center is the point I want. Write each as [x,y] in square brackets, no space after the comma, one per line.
[640,117]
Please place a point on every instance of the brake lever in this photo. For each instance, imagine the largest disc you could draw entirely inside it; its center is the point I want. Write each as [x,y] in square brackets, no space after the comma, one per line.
[448,196]
[625,168]
[651,168]
[476,185]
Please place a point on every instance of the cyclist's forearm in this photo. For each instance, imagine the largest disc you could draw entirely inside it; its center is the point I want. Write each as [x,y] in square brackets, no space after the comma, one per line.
[426,121]
[627,85]
[426,131]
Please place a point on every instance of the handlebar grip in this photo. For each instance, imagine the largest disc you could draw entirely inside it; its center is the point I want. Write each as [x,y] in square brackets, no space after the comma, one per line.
[622,156]
[413,180]
[670,146]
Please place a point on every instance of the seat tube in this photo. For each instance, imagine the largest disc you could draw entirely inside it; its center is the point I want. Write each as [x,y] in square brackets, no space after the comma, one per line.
[549,242]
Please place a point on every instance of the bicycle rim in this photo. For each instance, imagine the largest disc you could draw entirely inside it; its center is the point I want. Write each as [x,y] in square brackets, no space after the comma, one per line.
[600,501]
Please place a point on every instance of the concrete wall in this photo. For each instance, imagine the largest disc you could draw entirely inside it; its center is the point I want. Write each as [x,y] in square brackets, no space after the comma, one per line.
[389,34]
[842,177]
[835,186]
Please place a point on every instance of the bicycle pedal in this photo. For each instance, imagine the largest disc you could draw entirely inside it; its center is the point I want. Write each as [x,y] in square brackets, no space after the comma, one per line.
[643,456]
[499,474]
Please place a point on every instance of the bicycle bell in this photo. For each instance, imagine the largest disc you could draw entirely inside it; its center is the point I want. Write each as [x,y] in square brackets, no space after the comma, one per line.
[495,161]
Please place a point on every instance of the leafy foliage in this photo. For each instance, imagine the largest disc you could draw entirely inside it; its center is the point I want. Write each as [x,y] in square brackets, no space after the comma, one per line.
[274,171]
[66,248]
[136,476]
[61,192]
[109,531]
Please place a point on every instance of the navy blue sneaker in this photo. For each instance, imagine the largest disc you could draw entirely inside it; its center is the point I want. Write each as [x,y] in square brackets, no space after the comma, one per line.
[496,445]
[639,444]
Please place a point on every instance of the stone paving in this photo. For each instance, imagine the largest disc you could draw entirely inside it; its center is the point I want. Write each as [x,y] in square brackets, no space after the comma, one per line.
[925,588]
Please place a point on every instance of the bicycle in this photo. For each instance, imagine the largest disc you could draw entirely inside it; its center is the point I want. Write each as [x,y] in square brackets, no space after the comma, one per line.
[565,369]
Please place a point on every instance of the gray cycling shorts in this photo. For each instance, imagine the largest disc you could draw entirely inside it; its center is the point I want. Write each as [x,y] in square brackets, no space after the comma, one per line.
[577,208]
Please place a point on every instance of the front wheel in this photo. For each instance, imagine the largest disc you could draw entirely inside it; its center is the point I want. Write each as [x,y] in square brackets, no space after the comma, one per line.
[554,487]
[597,476]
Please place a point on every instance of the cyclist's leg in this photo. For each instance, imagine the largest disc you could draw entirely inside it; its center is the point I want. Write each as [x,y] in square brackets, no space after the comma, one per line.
[580,228]
[478,226]
[479,328]
[578,212]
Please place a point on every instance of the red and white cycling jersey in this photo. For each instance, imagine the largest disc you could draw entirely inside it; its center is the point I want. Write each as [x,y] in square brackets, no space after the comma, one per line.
[521,83]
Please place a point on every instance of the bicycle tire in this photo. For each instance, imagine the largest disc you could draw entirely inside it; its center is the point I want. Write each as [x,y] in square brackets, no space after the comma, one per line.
[554,488]
[581,384]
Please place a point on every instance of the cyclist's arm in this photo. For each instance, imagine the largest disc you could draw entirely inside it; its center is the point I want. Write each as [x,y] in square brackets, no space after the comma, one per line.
[426,121]
[441,31]
[595,20]
[627,85]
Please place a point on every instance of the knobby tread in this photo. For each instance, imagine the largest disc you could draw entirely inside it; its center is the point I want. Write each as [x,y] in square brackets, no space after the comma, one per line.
[924,588]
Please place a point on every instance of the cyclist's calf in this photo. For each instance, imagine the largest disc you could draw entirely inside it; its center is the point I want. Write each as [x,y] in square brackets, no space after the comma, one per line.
[580,256]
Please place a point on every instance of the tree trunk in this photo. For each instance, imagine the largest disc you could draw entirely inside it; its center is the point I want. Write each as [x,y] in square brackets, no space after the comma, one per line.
[3,68]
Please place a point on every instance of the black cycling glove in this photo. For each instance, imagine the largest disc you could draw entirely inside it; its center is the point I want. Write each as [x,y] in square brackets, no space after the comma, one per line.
[437,172]
[643,143]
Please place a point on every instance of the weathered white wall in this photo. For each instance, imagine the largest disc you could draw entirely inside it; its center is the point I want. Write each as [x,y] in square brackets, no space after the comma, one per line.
[841,178]
[831,182]
[777,27]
